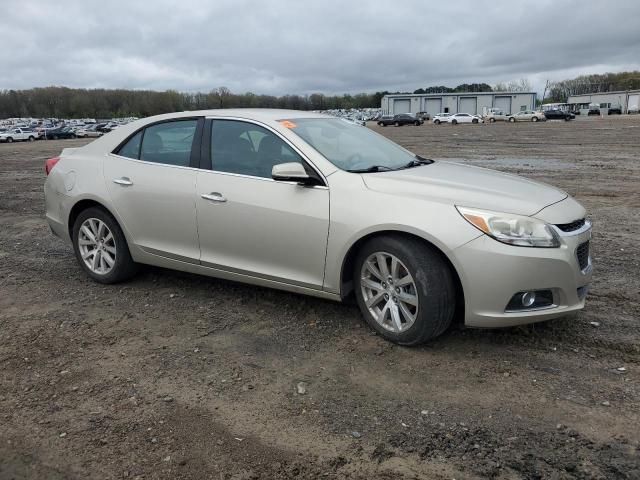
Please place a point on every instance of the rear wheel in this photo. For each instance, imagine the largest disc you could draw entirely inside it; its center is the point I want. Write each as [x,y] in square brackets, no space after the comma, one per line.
[417,123]
[101,247]
[534,119]
[397,124]
[492,120]
[512,120]
[454,122]
[31,138]
[437,122]
[404,289]
[475,120]
[9,140]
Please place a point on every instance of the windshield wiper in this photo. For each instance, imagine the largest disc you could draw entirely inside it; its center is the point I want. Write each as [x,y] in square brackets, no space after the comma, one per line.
[416,162]
[371,169]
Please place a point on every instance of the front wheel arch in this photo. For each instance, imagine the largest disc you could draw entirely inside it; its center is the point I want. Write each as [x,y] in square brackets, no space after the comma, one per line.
[346,280]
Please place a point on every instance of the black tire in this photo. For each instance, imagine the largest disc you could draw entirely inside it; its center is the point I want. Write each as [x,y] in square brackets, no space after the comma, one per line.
[124,267]
[397,124]
[492,120]
[382,124]
[475,120]
[55,137]
[417,123]
[32,138]
[437,122]
[73,135]
[454,122]
[434,285]
[534,119]
[512,120]
[9,140]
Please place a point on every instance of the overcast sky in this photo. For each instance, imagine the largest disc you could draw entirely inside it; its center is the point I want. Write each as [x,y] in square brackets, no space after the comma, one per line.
[298,46]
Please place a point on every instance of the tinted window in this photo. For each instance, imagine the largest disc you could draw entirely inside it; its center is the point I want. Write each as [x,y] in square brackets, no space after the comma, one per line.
[247,149]
[169,142]
[131,149]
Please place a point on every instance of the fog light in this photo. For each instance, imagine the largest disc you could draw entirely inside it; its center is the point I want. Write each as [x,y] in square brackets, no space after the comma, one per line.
[530,300]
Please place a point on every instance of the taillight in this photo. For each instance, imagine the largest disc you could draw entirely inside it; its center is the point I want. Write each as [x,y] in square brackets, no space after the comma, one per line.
[49,164]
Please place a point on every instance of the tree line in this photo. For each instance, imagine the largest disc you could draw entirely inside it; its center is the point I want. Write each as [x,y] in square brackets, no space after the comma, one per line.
[597,83]
[63,102]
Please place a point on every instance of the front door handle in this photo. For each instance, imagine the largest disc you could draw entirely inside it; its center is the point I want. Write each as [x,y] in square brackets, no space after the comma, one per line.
[214,197]
[124,181]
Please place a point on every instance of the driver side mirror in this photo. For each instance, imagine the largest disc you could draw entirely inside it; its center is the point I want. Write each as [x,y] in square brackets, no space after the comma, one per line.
[291,172]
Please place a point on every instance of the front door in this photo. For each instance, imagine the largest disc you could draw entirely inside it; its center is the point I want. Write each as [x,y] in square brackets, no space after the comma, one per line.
[250,224]
[152,186]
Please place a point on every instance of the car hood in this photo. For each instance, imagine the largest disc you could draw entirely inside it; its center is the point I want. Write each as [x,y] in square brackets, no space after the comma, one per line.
[467,186]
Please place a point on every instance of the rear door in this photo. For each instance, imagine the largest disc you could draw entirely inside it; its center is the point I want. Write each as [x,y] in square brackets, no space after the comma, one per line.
[151,179]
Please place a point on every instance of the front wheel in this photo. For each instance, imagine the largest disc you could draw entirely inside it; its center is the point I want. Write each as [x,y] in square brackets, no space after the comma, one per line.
[475,120]
[416,123]
[397,124]
[101,247]
[437,122]
[512,120]
[9,140]
[534,119]
[404,288]
[492,120]
[454,122]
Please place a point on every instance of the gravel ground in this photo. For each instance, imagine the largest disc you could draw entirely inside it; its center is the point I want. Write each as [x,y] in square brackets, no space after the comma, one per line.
[178,376]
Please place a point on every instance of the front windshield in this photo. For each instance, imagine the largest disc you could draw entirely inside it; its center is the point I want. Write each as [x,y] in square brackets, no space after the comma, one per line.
[349,146]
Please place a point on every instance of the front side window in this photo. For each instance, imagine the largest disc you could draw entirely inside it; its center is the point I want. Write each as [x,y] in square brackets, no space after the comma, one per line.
[247,149]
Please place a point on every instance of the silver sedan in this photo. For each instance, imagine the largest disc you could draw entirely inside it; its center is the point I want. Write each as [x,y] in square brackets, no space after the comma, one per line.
[320,206]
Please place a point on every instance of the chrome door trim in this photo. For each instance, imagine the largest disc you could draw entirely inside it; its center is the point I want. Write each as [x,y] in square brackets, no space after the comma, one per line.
[172,256]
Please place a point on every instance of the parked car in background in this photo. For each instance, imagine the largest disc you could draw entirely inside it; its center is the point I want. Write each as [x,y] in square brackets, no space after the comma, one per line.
[60,132]
[429,238]
[556,114]
[495,115]
[527,116]
[439,118]
[424,116]
[18,135]
[88,131]
[463,118]
[399,120]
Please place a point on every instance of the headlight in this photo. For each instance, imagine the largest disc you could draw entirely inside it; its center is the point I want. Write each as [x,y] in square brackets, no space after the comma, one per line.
[512,229]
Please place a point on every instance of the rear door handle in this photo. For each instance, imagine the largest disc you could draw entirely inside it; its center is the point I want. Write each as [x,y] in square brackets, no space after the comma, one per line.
[124,181]
[214,197]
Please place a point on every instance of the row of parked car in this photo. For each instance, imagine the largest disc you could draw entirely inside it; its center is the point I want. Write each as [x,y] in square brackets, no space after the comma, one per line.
[11,134]
[493,115]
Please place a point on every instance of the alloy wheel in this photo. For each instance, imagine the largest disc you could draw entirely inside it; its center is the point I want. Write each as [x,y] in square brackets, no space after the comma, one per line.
[389,292]
[97,246]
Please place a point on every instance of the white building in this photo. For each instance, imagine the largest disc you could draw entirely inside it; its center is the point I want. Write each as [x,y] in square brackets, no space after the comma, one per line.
[627,100]
[472,102]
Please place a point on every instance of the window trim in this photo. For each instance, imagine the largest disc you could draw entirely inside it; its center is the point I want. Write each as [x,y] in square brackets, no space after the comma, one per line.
[196,146]
[206,163]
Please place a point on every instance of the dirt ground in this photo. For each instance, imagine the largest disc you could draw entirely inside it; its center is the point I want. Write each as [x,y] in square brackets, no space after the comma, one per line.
[178,376]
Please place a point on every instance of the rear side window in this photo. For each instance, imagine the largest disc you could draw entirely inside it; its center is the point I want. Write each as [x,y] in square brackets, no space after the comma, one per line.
[131,149]
[169,143]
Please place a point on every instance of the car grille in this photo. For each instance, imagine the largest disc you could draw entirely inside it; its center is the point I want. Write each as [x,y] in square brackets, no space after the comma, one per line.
[582,252]
[573,226]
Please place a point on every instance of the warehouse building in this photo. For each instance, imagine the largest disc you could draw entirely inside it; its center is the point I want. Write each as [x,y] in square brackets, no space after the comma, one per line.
[472,102]
[627,100]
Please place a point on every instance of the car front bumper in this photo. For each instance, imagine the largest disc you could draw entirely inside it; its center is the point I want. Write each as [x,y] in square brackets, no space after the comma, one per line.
[493,272]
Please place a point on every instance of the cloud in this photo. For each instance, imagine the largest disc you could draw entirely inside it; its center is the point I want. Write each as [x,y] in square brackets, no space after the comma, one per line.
[284,46]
